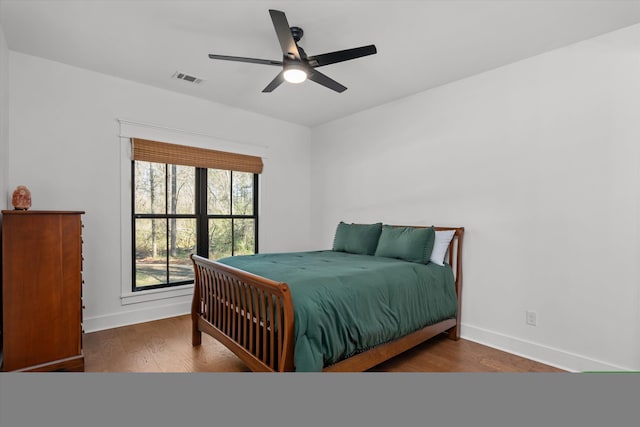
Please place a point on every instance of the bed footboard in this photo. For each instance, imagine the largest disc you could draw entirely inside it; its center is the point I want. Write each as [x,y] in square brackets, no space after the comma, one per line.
[251,315]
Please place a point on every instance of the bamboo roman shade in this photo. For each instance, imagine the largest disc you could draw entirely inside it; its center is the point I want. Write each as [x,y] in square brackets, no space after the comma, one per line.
[163,152]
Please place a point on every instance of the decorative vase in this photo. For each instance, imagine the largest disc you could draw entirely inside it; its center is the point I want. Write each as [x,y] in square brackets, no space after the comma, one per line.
[21,198]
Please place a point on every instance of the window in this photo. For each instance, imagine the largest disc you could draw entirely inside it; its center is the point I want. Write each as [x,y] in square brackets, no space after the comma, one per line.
[231,207]
[183,209]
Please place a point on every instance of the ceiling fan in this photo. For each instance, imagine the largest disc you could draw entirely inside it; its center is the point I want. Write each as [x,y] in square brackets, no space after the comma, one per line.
[296,65]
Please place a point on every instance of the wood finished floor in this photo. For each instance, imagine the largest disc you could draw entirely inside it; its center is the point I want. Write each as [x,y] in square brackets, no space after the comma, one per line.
[165,346]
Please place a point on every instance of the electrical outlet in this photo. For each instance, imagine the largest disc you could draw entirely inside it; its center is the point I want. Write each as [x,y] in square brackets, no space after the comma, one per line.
[531,318]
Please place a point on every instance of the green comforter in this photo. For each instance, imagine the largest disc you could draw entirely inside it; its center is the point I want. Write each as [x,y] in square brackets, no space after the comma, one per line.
[346,303]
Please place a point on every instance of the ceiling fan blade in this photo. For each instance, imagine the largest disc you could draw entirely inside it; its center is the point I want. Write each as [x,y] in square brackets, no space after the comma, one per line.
[275,82]
[326,81]
[243,59]
[341,55]
[283,31]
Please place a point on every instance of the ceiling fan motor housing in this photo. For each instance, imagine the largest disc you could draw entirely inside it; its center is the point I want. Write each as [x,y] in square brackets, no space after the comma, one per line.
[297,33]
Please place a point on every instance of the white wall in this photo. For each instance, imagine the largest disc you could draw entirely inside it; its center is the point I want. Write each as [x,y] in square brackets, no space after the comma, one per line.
[4,119]
[539,161]
[65,147]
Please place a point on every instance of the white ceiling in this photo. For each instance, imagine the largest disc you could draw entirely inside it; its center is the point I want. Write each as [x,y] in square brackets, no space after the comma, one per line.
[421,44]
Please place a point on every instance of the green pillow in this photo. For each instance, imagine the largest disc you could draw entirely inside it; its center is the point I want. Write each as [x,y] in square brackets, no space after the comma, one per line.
[407,243]
[357,238]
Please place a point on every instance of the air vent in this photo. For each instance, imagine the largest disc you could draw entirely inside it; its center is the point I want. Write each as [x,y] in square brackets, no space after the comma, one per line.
[186,77]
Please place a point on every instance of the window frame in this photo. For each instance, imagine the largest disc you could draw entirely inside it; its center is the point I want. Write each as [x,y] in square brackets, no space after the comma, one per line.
[201,216]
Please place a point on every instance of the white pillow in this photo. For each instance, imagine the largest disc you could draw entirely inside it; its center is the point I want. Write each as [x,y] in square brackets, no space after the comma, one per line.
[443,238]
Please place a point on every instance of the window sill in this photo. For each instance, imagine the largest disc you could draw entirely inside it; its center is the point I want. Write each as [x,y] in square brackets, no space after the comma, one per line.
[156,294]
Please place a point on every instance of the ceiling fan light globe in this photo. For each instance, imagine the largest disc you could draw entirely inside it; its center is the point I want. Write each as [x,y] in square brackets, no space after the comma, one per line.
[295,75]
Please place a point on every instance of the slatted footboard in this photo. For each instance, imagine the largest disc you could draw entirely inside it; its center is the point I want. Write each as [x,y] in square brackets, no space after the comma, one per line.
[249,314]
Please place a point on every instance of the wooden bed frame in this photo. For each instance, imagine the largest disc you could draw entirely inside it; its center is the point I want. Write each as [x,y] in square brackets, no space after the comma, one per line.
[230,305]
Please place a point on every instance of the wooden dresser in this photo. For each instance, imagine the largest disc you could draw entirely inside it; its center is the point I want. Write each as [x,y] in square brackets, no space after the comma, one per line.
[42,291]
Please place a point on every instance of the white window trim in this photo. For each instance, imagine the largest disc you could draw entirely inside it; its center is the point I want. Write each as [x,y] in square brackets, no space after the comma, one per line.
[155,294]
[131,129]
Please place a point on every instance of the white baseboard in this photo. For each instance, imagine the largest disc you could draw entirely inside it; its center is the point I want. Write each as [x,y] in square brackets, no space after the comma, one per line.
[130,317]
[561,359]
